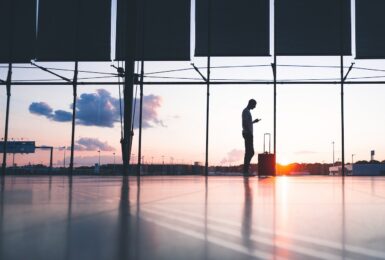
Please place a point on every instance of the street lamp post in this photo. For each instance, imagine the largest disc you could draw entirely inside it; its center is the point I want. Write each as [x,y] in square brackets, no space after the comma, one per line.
[99,157]
[353,158]
[114,163]
[64,160]
[132,157]
[333,153]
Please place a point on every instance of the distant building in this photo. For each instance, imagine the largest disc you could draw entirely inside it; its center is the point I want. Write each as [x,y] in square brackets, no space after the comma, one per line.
[337,170]
[370,169]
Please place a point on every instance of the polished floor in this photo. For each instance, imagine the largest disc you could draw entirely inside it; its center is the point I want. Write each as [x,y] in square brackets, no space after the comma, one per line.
[192,218]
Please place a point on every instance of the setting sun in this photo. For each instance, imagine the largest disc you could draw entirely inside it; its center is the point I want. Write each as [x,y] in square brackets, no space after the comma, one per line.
[283,161]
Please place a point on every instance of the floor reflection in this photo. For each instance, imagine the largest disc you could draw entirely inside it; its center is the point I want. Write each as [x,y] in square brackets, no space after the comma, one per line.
[67,251]
[247,218]
[49,187]
[2,192]
[343,220]
[198,217]
[124,215]
[138,235]
[205,246]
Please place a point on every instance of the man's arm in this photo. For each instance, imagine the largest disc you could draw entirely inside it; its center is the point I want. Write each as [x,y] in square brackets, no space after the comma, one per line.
[256,120]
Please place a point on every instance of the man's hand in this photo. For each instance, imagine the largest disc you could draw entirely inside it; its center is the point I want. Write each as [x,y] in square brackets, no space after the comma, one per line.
[257,120]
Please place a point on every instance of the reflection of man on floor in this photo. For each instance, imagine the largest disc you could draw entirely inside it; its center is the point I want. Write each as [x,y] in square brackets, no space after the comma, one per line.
[247,218]
[247,133]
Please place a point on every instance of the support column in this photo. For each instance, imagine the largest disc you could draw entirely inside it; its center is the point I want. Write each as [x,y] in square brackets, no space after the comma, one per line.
[143,31]
[342,86]
[50,159]
[8,85]
[74,85]
[207,119]
[275,111]
[128,91]
[342,117]
[140,120]
[275,89]
[208,85]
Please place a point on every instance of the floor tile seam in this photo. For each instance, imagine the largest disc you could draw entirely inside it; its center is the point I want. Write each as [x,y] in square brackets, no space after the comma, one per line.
[367,193]
[267,203]
[296,249]
[213,240]
[360,225]
[325,243]
[201,233]
[255,243]
[174,196]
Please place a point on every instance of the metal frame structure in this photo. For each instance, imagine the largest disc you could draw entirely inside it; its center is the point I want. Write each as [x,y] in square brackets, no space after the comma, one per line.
[137,80]
[50,156]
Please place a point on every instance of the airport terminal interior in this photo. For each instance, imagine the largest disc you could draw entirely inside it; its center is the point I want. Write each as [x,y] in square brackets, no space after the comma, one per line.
[86,77]
[192,217]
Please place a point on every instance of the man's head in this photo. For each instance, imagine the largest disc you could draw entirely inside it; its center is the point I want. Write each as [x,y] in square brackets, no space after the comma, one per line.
[252,103]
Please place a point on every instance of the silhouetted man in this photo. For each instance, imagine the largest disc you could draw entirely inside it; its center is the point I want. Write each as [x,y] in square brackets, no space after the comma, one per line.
[247,133]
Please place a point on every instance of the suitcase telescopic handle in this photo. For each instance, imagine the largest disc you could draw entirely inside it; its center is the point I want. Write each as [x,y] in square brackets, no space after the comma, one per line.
[264,138]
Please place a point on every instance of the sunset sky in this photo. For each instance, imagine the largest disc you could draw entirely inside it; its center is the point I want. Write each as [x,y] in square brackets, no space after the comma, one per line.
[308,116]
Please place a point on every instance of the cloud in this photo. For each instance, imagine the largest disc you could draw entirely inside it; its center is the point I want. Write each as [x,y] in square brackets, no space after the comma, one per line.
[233,156]
[92,144]
[41,109]
[61,116]
[103,110]
[151,104]
[97,109]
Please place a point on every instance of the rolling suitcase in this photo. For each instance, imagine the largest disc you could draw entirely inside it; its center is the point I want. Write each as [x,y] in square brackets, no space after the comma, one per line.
[266,160]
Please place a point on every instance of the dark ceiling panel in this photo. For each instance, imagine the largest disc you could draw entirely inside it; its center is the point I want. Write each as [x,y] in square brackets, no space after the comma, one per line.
[166,30]
[18,30]
[312,27]
[73,30]
[238,28]
[370,29]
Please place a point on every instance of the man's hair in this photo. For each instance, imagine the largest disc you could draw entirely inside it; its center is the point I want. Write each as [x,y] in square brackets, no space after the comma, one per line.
[252,102]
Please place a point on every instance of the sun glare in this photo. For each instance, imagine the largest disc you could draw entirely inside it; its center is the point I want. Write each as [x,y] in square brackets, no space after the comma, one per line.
[283,161]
